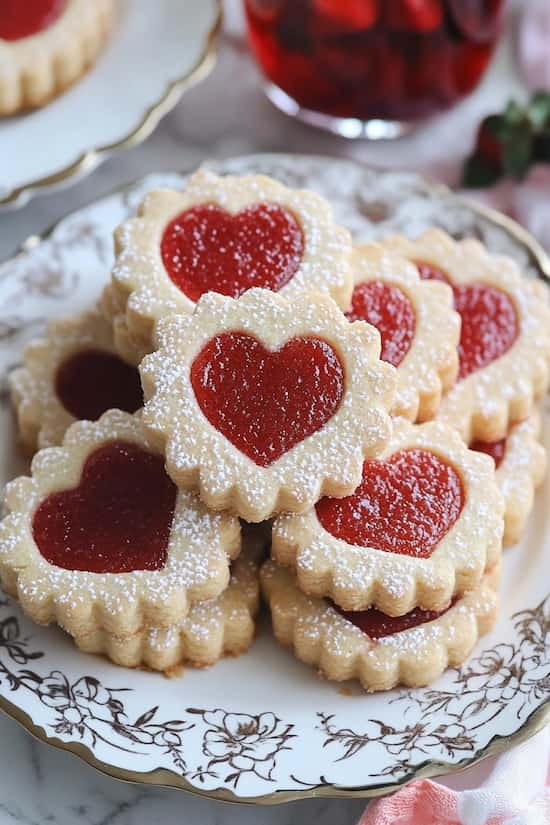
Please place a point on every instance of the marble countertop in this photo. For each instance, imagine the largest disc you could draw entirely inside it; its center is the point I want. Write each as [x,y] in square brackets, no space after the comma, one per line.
[217,119]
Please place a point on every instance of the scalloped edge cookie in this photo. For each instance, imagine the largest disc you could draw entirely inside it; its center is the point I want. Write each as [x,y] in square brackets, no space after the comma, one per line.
[139,280]
[487,402]
[223,626]
[328,462]
[430,366]
[41,417]
[357,578]
[129,346]
[320,636]
[521,471]
[35,69]
[200,548]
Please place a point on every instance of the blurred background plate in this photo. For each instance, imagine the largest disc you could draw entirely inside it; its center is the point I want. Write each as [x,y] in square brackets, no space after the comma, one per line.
[155,51]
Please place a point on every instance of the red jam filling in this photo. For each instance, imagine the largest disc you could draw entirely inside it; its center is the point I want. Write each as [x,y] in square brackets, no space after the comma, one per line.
[376,625]
[206,249]
[495,449]
[404,505]
[489,321]
[267,401]
[489,326]
[429,272]
[389,310]
[22,18]
[91,382]
[116,520]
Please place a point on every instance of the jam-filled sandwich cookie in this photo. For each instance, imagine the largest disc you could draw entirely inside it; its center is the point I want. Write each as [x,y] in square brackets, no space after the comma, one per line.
[504,349]
[378,650]
[99,537]
[419,328]
[423,525]
[131,346]
[73,373]
[45,46]
[262,404]
[226,235]
[224,626]
[520,462]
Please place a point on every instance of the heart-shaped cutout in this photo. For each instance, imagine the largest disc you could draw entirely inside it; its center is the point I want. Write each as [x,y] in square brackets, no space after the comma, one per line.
[206,249]
[403,505]
[489,320]
[388,309]
[489,326]
[91,382]
[267,401]
[117,520]
[19,20]
[376,624]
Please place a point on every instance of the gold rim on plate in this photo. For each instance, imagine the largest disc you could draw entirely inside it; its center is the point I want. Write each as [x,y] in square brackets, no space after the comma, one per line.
[91,158]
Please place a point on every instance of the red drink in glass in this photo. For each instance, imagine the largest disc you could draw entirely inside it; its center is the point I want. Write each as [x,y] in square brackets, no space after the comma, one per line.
[396,61]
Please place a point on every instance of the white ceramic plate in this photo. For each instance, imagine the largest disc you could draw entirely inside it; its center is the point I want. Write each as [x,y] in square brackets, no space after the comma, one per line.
[263,727]
[156,50]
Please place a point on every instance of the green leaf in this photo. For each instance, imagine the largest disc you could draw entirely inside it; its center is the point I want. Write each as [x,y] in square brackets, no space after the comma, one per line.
[478,173]
[517,153]
[497,126]
[514,113]
[539,110]
[541,149]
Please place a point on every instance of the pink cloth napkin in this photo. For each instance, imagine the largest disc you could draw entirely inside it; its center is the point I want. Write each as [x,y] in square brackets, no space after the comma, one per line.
[515,792]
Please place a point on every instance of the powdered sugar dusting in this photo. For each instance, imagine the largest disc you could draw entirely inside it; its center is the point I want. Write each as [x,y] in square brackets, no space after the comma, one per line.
[200,546]
[331,458]
[358,577]
[320,635]
[140,276]
[484,403]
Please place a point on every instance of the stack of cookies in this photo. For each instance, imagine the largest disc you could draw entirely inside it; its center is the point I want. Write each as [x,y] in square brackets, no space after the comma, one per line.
[250,380]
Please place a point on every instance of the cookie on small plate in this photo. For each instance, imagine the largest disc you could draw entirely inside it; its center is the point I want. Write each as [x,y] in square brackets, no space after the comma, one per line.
[47,45]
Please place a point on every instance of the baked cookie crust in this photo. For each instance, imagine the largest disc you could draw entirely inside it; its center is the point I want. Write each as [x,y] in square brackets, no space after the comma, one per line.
[357,577]
[35,69]
[326,462]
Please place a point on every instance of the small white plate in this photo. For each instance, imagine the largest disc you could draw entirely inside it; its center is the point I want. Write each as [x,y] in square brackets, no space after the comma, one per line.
[263,727]
[155,51]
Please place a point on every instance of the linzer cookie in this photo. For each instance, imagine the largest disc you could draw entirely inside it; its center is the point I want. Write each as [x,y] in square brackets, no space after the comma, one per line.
[264,405]
[378,650]
[99,537]
[504,349]
[419,328]
[73,373]
[130,346]
[520,463]
[423,526]
[224,626]
[45,46]
[225,235]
